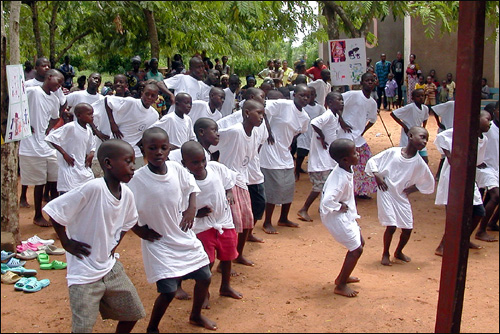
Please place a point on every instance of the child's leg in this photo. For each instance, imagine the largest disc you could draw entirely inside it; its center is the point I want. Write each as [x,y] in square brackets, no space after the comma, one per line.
[344,277]
[303,215]
[283,221]
[46,193]
[439,168]
[252,238]
[242,238]
[159,308]
[200,295]
[225,286]
[38,219]
[489,207]
[389,231]
[492,225]
[267,226]
[403,240]
[52,190]
[23,201]
[180,293]
[125,326]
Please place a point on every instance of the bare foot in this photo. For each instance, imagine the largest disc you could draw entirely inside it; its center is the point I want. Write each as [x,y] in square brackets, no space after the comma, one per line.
[402,257]
[234,273]
[24,204]
[473,245]
[351,279]
[344,290]
[386,261]
[483,236]
[287,223]
[230,292]
[269,229]
[303,215]
[42,222]
[253,238]
[439,251]
[202,321]
[297,177]
[242,260]
[181,294]
[206,302]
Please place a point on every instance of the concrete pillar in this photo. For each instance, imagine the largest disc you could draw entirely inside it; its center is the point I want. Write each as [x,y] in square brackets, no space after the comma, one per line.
[406,48]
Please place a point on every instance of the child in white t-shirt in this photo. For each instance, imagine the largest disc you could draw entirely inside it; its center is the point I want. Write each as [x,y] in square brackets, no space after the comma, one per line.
[76,146]
[129,117]
[90,221]
[320,163]
[210,109]
[178,124]
[313,109]
[338,211]
[398,173]
[177,254]
[446,112]
[213,224]
[413,114]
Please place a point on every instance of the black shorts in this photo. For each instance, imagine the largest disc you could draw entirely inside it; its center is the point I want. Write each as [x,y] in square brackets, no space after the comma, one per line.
[478,210]
[169,285]
[258,200]
[302,152]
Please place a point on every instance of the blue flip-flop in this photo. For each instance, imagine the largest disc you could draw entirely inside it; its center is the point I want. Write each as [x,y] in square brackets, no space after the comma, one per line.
[33,285]
[19,270]
[20,284]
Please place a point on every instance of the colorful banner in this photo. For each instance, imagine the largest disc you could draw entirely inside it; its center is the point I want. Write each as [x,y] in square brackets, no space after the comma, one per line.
[18,121]
[347,61]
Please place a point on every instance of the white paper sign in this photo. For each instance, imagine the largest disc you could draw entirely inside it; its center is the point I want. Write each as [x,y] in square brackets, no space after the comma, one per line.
[347,61]
[18,122]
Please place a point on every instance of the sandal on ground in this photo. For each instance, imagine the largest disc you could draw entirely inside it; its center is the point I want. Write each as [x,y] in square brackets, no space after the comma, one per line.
[10,278]
[43,258]
[52,250]
[34,286]
[13,262]
[18,270]
[36,239]
[7,255]
[53,265]
[20,284]
[27,255]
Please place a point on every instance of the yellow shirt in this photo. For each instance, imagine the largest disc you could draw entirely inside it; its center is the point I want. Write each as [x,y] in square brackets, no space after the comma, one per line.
[420,86]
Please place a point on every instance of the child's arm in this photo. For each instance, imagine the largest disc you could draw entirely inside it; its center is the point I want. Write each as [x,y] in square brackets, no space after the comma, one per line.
[99,134]
[230,196]
[380,182]
[343,207]
[438,121]
[188,215]
[69,159]
[270,138]
[146,233]
[448,155]
[52,123]
[164,89]
[368,125]
[405,128]
[424,123]
[114,127]
[77,248]
[203,212]
[410,189]
[346,127]
[321,137]
[89,158]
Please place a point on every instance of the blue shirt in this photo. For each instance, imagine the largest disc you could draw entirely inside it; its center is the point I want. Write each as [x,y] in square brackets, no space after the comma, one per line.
[382,70]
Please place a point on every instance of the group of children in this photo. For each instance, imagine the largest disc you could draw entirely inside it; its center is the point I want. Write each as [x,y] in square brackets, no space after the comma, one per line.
[216,177]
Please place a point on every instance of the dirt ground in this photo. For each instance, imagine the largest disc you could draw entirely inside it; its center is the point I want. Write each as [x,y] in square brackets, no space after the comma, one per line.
[290,288]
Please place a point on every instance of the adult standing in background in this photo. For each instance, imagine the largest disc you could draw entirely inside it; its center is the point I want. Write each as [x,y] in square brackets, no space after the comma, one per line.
[397,69]
[68,73]
[382,68]
[314,72]
[412,73]
[29,71]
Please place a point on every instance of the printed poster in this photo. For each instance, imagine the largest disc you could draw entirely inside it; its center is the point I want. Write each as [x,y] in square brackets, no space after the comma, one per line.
[18,121]
[347,61]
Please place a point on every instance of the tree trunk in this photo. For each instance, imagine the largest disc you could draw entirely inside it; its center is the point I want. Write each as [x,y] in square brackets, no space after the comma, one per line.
[152,33]
[70,44]
[332,28]
[9,151]
[36,29]
[52,34]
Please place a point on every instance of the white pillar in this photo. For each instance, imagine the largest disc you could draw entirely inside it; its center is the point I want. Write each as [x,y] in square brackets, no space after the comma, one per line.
[407,41]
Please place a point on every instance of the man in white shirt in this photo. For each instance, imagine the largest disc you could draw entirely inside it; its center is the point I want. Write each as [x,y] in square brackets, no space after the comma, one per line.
[90,95]
[229,102]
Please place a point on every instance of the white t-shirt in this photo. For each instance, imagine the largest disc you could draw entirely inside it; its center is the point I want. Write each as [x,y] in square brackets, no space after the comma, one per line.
[237,150]
[81,96]
[93,215]
[304,139]
[492,153]
[399,173]
[444,141]
[286,121]
[77,142]
[179,130]
[319,158]
[255,175]
[358,110]
[201,109]
[213,194]
[160,201]
[43,108]
[59,93]
[229,103]
[322,90]
[182,83]
[411,116]
[339,188]
[101,121]
[446,111]
[132,119]
[205,91]
[175,155]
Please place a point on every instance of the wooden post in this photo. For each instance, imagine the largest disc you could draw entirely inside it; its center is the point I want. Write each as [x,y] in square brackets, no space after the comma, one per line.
[463,169]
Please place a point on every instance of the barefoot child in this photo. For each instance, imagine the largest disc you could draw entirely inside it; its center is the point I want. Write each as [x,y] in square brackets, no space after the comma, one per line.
[90,221]
[76,146]
[338,211]
[320,163]
[214,223]
[444,142]
[399,171]
[177,254]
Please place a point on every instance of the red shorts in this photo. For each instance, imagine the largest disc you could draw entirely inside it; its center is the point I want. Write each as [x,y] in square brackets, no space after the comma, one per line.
[241,210]
[224,244]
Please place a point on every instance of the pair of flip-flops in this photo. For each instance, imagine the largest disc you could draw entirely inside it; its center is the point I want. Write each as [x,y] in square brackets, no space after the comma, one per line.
[31,284]
[10,278]
[53,265]
[18,270]
[13,262]
[27,255]
[52,250]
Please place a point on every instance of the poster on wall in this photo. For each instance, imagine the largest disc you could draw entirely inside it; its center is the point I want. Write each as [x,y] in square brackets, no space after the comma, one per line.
[347,60]
[18,121]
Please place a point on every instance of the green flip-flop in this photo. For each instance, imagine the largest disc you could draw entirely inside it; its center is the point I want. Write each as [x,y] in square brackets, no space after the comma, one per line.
[43,258]
[53,265]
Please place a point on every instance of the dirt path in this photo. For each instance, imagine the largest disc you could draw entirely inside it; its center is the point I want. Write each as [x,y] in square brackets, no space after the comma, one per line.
[290,289]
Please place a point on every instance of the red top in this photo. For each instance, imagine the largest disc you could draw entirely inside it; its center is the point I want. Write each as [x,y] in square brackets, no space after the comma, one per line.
[316,71]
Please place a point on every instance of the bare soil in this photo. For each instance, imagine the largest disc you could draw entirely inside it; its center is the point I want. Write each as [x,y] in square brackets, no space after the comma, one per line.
[290,288]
